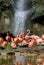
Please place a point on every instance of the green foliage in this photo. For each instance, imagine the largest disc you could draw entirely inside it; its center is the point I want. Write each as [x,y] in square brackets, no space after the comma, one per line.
[39,8]
[4,13]
[8,47]
[4,7]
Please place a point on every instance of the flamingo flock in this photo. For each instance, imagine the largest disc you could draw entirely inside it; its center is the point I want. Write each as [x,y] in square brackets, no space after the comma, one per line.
[21,39]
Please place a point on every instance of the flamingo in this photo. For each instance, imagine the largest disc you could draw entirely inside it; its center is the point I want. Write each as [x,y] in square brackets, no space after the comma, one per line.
[39,40]
[1,40]
[12,39]
[20,40]
[4,43]
[16,40]
[42,63]
[31,43]
[35,37]
[43,37]
[19,35]
[13,45]
[27,37]
[24,42]
[8,38]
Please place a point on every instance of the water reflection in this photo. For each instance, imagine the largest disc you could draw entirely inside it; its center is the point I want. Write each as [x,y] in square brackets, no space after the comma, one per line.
[22,60]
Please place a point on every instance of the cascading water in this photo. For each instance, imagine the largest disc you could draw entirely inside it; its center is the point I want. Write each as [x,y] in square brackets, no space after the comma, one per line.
[23,11]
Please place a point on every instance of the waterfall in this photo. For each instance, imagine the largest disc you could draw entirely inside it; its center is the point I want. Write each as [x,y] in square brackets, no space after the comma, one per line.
[23,11]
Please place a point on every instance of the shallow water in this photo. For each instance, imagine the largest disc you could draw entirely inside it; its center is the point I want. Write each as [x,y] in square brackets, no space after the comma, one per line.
[10,60]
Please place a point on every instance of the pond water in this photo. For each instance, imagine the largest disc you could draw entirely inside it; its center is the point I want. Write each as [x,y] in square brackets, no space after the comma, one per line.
[21,60]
